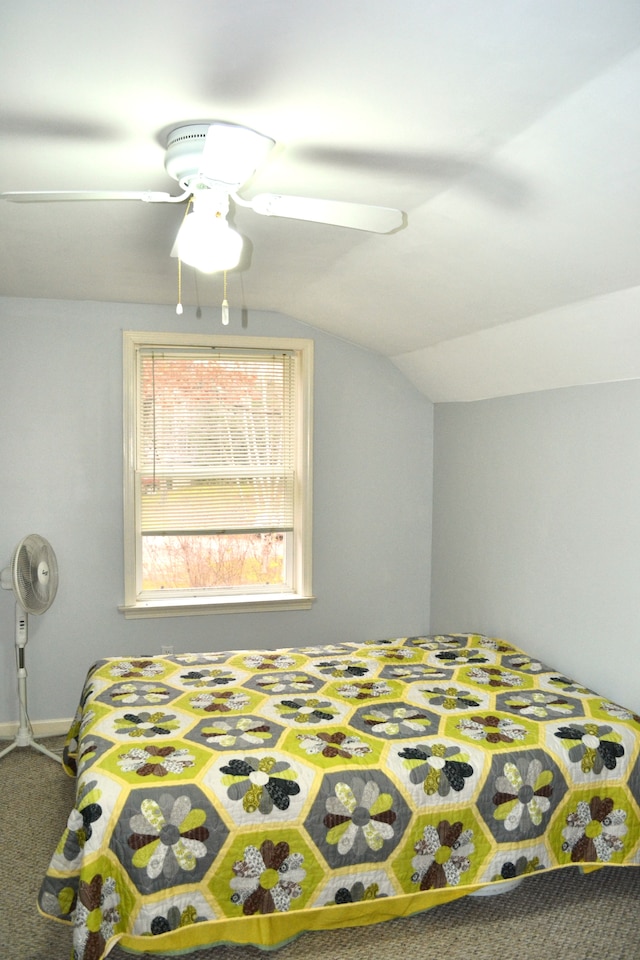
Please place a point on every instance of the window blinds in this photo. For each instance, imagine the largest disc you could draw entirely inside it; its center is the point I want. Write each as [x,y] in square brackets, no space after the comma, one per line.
[215,441]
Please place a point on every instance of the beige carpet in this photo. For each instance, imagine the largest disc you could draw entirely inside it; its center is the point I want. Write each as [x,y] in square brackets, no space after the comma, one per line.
[558,915]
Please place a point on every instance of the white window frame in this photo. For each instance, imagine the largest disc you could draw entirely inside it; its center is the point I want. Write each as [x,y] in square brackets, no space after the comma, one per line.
[300,597]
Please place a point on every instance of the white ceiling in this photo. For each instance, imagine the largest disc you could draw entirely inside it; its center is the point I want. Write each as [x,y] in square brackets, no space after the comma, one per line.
[507,130]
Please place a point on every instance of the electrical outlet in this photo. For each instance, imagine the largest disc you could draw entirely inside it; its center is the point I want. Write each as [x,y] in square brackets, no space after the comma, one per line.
[167,649]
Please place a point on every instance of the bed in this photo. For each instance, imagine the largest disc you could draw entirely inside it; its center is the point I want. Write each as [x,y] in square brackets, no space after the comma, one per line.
[248,796]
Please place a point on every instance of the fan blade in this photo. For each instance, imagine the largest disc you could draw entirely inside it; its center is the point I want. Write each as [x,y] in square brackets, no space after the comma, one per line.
[48,196]
[358,216]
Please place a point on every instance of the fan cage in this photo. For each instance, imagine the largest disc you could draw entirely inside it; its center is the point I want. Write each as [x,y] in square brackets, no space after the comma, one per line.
[35,574]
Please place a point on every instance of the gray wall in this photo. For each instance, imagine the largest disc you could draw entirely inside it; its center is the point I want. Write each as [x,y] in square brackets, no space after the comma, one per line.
[536,534]
[61,476]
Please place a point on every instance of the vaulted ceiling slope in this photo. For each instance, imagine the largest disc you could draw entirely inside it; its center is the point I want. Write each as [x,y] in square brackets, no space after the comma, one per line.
[508,131]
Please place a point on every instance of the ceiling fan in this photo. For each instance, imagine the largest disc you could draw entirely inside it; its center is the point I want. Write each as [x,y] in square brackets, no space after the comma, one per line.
[210,162]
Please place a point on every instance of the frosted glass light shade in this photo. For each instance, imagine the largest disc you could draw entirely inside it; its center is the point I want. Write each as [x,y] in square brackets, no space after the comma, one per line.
[231,153]
[208,243]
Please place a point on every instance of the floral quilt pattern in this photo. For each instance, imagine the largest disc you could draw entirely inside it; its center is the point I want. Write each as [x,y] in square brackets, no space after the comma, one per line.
[213,789]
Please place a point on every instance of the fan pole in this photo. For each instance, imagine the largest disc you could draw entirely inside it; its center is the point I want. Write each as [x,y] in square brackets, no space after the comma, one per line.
[24,736]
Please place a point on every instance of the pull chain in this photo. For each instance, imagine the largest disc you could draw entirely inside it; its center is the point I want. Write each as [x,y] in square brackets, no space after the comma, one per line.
[225,304]
[179,303]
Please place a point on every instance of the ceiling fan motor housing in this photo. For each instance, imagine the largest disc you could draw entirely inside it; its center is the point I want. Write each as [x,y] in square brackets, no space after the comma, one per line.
[216,152]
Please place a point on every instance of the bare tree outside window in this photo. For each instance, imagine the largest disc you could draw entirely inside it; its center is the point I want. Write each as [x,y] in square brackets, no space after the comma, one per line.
[213,432]
[217,472]
[198,562]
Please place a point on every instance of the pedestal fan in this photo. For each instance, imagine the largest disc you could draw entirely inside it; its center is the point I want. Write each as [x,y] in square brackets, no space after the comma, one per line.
[33,576]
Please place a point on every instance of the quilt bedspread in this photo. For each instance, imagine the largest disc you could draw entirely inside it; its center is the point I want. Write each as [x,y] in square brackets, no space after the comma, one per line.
[246,796]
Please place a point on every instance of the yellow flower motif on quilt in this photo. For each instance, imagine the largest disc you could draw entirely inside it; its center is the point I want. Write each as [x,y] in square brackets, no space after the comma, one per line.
[260,783]
[145,724]
[359,809]
[518,795]
[160,840]
[594,746]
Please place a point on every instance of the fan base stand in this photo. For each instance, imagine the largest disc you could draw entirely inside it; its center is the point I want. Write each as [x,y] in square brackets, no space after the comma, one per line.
[26,740]
[24,736]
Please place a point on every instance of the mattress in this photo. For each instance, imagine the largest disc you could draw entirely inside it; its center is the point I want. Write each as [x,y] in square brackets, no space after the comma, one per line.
[248,796]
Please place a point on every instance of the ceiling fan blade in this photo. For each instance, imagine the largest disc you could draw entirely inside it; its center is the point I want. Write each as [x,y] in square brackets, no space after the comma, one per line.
[357,216]
[49,196]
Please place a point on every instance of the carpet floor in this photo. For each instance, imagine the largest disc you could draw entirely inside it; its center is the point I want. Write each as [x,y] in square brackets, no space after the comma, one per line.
[559,915]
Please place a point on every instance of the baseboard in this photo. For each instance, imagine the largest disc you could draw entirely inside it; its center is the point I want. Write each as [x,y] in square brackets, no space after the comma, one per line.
[41,728]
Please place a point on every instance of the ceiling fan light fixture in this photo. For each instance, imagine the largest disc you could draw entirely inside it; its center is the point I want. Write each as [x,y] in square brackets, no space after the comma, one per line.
[208,243]
[232,153]
[215,152]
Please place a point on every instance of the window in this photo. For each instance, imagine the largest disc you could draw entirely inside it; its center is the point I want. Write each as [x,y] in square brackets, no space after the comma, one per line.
[217,474]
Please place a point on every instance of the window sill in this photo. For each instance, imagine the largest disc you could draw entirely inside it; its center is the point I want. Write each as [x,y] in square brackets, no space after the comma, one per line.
[203,606]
